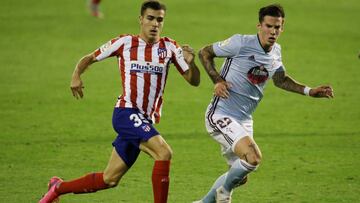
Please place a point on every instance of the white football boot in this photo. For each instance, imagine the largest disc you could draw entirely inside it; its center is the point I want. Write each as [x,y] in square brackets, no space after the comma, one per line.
[223,196]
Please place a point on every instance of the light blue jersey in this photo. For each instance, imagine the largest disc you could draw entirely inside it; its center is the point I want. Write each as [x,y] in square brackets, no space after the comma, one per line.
[248,68]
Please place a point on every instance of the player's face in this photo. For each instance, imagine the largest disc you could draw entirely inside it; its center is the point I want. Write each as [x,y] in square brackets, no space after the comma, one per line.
[269,30]
[151,24]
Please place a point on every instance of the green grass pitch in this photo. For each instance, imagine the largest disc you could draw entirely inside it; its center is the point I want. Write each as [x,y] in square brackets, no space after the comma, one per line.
[310,147]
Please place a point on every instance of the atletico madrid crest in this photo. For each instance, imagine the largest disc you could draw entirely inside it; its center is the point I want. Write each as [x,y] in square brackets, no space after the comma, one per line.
[146,128]
[162,53]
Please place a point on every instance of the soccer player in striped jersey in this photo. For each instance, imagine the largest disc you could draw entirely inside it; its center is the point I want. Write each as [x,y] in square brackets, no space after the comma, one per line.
[143,62]
[251,60]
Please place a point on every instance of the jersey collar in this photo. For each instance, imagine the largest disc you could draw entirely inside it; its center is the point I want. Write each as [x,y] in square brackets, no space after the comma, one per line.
[266,52]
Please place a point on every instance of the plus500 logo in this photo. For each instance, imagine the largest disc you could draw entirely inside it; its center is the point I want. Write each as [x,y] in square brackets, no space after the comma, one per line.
[147,68]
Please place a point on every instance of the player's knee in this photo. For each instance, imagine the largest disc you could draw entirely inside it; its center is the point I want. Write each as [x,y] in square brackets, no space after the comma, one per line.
[159,150]
[254,159]
[164,154]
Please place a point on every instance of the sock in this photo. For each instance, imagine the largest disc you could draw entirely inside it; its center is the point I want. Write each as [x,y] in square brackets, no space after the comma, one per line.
[160,181]
[210,196]
[95,1]
[236,174]
[91,182]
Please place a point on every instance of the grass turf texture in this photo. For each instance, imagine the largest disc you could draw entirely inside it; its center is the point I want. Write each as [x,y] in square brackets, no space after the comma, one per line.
[310,146]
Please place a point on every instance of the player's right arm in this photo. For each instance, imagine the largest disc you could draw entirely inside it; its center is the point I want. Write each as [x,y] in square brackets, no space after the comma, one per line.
[207,55]
[227,48]
[76,82]
[109,49]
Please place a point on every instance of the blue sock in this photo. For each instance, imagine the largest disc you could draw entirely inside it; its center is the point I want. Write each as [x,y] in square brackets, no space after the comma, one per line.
[237,172]
[210,196]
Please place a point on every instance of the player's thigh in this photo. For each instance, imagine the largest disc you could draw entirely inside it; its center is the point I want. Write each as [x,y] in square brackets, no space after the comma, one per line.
[133,129]
[115,169]
[227,131]
[157,148]
[247,149]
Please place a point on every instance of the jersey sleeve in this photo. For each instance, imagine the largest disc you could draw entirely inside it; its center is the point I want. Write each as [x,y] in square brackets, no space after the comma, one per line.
[179,60]
[229,47]
[109,49]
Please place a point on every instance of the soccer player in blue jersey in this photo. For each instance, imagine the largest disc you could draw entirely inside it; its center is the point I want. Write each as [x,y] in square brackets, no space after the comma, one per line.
[251,60]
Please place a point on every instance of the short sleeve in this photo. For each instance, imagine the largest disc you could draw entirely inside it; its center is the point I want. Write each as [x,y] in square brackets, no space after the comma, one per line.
[229,47]
[179,60]
[109,49]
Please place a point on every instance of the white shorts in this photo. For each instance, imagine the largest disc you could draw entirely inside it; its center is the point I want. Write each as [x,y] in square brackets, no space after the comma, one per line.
[227,131]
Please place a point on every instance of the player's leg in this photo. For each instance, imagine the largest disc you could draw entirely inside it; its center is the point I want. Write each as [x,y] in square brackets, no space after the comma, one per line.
[88,183]
[215,134]
[227,131]
[137,130]
[210,197]
[249,158]
[124,154]
[157,148]
[93,182]
[115,169]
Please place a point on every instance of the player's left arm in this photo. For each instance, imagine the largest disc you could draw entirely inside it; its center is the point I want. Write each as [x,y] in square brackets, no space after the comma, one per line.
[284,81]
[192,75]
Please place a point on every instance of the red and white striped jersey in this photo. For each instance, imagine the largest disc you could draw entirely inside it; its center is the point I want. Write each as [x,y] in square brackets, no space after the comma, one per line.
[143,69]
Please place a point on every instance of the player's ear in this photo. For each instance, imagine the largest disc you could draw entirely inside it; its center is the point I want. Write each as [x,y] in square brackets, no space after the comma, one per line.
[282,25]
[258,26]
[140,19]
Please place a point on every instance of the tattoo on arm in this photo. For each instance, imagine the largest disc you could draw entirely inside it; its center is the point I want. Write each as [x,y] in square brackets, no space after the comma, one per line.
[283,81]
[207,56]
[193,74]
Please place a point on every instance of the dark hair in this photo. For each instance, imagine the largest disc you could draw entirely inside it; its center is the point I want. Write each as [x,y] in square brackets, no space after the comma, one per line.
[275,10]
[153,4]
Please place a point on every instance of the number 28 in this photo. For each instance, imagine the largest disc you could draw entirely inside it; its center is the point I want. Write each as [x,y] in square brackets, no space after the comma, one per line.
[223,122]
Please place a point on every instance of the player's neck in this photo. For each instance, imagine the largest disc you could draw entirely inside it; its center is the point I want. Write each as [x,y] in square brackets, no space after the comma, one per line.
[267,48]
[149,40]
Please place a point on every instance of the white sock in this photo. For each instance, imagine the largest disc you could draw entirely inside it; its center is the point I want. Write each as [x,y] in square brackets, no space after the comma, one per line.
[236,174]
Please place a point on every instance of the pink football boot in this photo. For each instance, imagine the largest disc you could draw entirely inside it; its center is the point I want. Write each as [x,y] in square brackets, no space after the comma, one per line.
[51,196]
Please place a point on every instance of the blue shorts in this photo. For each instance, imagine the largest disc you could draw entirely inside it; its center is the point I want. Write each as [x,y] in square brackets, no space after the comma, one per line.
[132,128]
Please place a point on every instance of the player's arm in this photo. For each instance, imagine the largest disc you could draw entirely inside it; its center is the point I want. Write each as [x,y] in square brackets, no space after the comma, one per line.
[108,49]
[207,55]
[192,75]
[284,81]
[76,82]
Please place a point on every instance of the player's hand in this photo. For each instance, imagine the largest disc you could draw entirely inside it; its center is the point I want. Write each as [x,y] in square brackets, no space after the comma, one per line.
[221,89]
[76,87]
[322,91]
[189,54]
